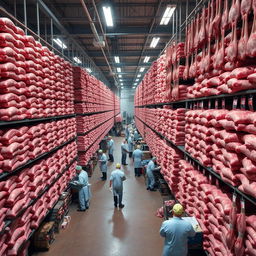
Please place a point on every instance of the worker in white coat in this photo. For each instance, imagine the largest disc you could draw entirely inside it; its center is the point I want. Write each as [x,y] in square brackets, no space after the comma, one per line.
[176,232]
[137,158]
[103,164]
[150,175]
[84,193]
[124,150]
[110,149]
[116,184]
[127,132]
[130,144]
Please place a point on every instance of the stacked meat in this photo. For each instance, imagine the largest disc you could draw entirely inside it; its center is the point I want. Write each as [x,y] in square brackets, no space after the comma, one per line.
[92,96]
[35,82]
[225,140]
[29,195]
[87,123]
[19,145]
[170,123]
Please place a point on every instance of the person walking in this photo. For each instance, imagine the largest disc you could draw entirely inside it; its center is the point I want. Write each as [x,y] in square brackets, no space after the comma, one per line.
[150,175]
[116,185]
[136,135]
[82,184]
[176,232]
[137,158]
[130,145]
[124,149]
[110,149]
[103,164]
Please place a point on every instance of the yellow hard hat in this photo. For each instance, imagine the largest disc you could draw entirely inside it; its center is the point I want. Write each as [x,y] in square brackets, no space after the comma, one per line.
[118,165]
[178,209]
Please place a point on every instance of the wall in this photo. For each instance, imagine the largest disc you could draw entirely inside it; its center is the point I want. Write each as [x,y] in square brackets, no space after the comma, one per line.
[127,101]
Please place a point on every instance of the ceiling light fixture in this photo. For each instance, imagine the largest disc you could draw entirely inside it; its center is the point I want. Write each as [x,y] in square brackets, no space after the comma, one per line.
[122,87]
[121,80]
[122,83]
[108,16]
[119,70]
[89,70]
[142,69]
[133,87]
[77,60]
[167,14]
[137,80]
[154,42]
[60,43]
[119,76]
[139,75]
[146,59]
[117,59]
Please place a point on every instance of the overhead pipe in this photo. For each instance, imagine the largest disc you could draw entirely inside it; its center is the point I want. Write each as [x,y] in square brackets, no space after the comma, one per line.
[93,28]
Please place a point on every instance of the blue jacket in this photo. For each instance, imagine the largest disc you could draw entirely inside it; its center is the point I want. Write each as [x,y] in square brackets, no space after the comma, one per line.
[176,232]
[137,155]
[111,147]
[103,163]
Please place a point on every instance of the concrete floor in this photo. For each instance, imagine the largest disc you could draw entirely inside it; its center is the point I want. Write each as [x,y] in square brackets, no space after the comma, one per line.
[105,231]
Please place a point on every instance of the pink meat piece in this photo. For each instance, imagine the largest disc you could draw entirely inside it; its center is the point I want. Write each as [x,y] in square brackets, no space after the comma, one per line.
[240,116]
[242,73]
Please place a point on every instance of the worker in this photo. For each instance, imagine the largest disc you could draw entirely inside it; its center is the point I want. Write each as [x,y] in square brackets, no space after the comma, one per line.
[124,149]
[103,164]
[110,149]
[176,232]
[136,135]
[126,132]
[150,175]
[84,192]
[116,184]
[137,158]
[130,144]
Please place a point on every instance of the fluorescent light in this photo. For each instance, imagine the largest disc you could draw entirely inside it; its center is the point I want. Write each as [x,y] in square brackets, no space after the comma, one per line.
[108,16]
[122,87]
[137,80]
[117,59]
[89,70]
[133,87]
[77,60]
[121,80]
[119,76]
[146,59]
[135,84]
[142,69]
[139,75]
[154,42]
[60,43]
[122,83]
[167,14]
[118,70]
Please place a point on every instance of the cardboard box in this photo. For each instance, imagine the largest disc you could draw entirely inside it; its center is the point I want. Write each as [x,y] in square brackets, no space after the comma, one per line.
[195,242]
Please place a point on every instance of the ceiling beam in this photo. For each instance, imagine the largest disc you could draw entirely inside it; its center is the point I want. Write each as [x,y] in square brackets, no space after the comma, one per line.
[121,31]
[127,53]
[125,64]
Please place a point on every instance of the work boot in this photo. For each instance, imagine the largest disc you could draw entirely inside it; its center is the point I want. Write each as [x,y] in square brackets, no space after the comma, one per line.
[121,206]
[115,201]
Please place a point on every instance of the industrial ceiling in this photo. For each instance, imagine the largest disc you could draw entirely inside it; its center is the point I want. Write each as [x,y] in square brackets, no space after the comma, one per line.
[135,24]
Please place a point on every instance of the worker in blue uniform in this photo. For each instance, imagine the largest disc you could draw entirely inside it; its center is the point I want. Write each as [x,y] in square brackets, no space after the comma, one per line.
[124,149]
[127,133]
[136,135]
[176,232]
[137,158]
[116,184]
[84,193]
[150,175]
[130,144]
[103,164]
[110,149]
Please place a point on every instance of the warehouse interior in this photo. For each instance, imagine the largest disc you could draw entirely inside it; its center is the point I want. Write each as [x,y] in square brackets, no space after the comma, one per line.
[157,94]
